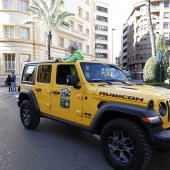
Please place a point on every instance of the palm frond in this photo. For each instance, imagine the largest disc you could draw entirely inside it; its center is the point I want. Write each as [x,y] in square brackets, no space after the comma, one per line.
[65,15]
[29,21]
[67,24]
[45,6]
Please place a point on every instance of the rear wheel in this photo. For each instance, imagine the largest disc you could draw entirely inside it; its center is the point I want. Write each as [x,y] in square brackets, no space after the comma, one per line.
[29,118]
[125,145]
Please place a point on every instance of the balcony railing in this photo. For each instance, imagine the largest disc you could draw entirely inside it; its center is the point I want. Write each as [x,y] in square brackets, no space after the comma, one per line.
[73,32]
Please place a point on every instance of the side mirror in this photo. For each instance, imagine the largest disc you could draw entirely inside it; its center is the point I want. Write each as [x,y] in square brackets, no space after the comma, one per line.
[73,80]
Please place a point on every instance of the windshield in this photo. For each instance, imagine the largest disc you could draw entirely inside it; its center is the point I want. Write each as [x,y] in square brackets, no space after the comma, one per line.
[102,72]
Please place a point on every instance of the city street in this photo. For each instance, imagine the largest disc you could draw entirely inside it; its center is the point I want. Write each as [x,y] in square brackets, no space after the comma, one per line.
[52,146]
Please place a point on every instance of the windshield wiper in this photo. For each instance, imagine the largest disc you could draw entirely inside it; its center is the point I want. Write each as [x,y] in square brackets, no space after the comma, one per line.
[100,80]
[117,80]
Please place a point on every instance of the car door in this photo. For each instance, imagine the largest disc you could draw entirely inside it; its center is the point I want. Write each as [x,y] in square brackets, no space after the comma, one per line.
[42,88]
[67,101]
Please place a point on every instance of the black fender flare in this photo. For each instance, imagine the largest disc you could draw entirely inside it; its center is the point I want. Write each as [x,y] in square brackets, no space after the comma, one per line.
[131,110]
[32,98]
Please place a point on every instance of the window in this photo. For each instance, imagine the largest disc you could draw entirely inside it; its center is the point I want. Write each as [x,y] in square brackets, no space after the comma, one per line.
[149,46]
[154,26]
[87,31]
[166,4]
[24,33]
[166,35]
[80,11]
[44,73]
[101,46]
[101,27]
[80,45]
[61,42]
[101,37]
[9,63]
[9,32]
[102,9]
[63,71]
[23,5]
[155,5]
[166,24]
[87,15]
[141,47]
[29,73]
[166,14]
[72,24]
[87,2]
[80,28]
[101,55]
[87,49]
[101,18]
[23,59]
[8,4]
[145,46]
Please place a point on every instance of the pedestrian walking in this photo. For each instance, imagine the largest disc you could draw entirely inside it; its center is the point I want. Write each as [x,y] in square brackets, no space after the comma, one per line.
[9,82]
[13,82]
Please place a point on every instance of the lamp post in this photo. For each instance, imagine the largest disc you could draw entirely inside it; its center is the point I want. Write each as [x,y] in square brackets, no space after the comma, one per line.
[112,44]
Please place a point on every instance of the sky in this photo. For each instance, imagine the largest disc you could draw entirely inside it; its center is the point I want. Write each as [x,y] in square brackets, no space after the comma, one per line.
[119,12]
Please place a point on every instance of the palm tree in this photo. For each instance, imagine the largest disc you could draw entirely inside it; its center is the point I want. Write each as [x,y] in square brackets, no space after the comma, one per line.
[48,14]
[150,28]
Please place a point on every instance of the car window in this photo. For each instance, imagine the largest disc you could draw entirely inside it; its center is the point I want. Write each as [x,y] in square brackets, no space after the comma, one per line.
[99,71]
[44,73]
[28,73]
[63,71]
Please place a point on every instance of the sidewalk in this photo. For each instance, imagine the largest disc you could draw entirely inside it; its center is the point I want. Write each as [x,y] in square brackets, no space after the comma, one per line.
[3,79]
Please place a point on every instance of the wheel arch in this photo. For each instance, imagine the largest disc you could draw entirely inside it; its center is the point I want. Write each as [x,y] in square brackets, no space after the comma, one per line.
[28,95]
[110,111]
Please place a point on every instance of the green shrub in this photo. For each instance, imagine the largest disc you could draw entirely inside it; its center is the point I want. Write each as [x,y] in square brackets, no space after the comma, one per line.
[151,70]
[165,85]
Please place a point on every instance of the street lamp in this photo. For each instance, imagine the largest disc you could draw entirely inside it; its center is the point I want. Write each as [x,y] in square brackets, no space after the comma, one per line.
[112,44]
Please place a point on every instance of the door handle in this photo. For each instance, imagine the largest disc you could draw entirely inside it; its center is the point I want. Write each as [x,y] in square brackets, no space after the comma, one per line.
[38,89]
[55,92]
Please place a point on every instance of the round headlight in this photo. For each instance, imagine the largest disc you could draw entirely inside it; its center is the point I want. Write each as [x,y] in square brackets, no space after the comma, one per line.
[162,109]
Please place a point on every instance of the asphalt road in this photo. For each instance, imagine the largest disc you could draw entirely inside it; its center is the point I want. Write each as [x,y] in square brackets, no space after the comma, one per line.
[52,146]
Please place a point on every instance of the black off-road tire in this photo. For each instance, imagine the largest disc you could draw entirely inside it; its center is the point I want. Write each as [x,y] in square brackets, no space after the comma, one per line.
[29,118]
[125,145]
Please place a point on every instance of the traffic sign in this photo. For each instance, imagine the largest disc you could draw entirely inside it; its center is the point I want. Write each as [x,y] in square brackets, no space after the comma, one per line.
[159,56]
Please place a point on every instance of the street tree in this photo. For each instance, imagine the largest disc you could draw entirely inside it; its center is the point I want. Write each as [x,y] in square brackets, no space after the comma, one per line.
[50,15]
[150,28]
[151,70]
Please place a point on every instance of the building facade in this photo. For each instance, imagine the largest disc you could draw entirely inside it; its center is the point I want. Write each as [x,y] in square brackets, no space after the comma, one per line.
[23,43]
[136,45]
[101,29]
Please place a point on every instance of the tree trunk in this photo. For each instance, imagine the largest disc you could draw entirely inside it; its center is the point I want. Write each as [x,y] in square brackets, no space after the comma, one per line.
[49,36]
[150,28]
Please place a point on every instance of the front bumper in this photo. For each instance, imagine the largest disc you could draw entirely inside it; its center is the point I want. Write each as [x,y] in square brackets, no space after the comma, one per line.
[162,139]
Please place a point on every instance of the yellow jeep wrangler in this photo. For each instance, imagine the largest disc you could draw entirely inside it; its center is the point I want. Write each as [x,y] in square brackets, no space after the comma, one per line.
[97,97]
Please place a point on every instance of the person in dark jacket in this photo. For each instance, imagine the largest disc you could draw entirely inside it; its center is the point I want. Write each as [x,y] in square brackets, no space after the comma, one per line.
[9,82]
[13,82]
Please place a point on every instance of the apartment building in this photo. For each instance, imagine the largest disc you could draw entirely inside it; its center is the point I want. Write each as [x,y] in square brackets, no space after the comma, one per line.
[23,43]
[136,45]
[101,29]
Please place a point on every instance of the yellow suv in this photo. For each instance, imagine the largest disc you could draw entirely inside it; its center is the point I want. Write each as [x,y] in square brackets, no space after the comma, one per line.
[97,97]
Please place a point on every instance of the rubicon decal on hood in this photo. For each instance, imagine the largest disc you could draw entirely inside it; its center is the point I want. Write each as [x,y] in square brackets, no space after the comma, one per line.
[122,96]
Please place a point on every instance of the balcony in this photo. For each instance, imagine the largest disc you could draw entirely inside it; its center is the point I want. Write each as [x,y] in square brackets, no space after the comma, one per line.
[155,9]
[124,61]
[124,47]
[67,31]
[125,54]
